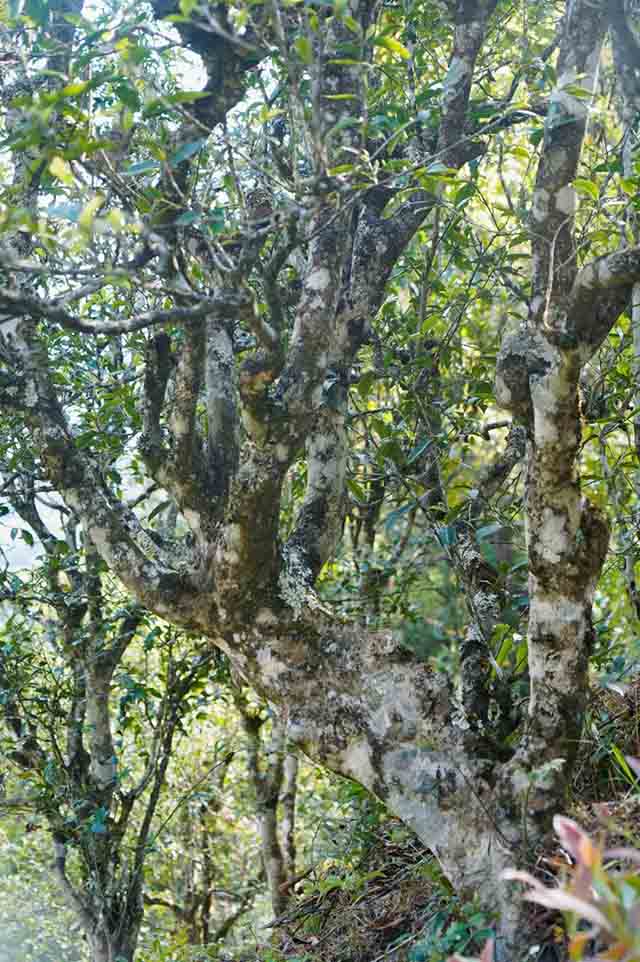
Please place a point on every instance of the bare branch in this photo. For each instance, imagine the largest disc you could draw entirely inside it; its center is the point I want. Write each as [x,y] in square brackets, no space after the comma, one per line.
[227,303]
[87,917]
[601,292]
[626,52]
[620,269]
[470,29]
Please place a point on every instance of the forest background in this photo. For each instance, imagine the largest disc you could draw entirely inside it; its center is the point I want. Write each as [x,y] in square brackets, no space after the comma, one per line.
[319,357]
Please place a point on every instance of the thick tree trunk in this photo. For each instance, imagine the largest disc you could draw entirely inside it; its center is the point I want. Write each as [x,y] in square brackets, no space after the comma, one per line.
[358,703]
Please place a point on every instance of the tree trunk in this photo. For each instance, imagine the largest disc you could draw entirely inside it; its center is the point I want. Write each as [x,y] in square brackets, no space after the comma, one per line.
[117,946]
[361,705]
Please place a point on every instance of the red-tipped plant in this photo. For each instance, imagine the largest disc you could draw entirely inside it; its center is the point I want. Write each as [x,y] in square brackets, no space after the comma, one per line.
[597,891]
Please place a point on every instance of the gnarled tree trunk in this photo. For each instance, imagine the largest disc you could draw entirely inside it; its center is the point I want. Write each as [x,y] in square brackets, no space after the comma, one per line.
[354,699]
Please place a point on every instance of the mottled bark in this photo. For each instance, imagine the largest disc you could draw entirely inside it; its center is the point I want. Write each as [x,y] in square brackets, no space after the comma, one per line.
[539,367]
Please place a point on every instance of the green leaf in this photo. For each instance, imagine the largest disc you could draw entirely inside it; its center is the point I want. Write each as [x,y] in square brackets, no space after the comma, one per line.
[487,530]
[505,648]
[38,11]
[153,634]
[304,49]
[357,490]
[97,825]
[418,450]
[188,150]
[365,383]
[74,89]
[394,46]
[447,535]
[188,217]
[142,167]
[162,506]
[581,93]
[216,222]
[351,24]
[464,194]
[587,187]
[397,513]
[624,765]
[127,95]
[60,169]
[437,169]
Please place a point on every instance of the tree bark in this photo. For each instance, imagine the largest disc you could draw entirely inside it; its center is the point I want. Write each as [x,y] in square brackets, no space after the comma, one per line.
[118,946]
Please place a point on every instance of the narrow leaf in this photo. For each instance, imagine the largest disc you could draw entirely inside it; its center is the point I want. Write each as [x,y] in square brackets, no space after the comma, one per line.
[142,167]
[304,49]
[188,150]
[394,46]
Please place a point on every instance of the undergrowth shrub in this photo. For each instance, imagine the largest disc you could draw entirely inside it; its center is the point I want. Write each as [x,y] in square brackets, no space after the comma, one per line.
[599,897]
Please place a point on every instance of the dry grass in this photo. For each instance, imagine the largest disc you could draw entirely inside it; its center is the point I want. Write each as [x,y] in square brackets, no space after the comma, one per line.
[373,911]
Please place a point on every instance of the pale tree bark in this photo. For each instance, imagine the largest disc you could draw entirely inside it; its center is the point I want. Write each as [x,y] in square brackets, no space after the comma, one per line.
[354,699]
[267,761]
[571,312]
[288,794]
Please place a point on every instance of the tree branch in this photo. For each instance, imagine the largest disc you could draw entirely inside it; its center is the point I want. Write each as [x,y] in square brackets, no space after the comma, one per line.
[470,29]
[601,292]
[318,526]
[626,52]
[112,527]
[620,269]
[553,204]
[226,303]
[87,917]
[222,408]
